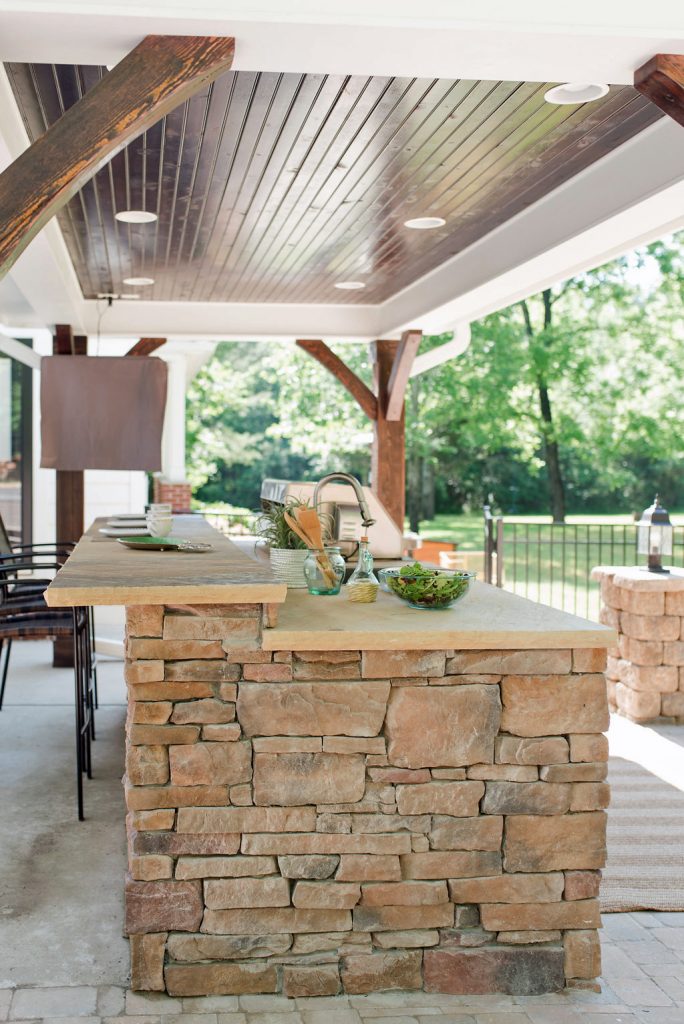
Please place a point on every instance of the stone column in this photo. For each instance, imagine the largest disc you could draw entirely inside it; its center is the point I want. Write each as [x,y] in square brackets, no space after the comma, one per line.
[645,671]
[350,821]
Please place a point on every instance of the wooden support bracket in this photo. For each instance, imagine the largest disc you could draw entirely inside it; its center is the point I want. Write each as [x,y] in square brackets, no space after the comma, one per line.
[401,371]
[356,388]
[661,79]
[160,73]
[146,346]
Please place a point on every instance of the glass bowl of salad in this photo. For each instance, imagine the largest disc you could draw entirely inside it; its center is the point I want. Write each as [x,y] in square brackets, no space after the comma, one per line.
[422,587]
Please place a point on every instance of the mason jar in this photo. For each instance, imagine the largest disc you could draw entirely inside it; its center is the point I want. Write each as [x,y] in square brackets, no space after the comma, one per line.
[324,570]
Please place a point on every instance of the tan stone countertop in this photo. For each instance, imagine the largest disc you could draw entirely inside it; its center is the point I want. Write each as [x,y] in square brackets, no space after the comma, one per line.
[485,619]
[100,571]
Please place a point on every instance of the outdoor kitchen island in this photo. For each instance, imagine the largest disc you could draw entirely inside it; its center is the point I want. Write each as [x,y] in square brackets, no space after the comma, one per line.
[351,798]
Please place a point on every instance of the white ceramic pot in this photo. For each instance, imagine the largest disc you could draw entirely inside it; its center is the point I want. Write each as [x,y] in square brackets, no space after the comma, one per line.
[288,567]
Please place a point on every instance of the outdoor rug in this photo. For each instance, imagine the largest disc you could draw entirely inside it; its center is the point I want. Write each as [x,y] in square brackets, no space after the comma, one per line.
[645,869]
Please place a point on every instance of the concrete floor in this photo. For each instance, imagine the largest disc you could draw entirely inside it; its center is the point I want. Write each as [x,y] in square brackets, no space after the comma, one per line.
[62,957]
[60,880]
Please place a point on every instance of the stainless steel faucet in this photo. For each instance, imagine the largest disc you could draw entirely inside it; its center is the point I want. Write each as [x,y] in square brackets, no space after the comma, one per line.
[347,478]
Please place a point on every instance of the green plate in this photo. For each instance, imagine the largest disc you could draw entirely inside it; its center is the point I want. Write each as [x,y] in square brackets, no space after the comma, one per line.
[163,544]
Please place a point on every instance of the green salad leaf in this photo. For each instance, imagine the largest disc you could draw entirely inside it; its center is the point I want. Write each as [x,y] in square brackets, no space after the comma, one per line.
[428,588]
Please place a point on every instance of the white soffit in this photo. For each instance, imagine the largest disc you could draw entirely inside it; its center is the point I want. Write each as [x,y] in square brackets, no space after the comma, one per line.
[530,40]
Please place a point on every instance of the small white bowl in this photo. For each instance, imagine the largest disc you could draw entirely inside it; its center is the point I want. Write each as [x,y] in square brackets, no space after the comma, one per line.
[159,526]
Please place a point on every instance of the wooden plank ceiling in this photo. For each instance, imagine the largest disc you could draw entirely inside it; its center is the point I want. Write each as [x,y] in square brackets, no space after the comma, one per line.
[271,188]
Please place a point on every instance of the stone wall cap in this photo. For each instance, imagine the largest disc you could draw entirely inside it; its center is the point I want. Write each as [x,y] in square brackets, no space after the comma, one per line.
[634,577]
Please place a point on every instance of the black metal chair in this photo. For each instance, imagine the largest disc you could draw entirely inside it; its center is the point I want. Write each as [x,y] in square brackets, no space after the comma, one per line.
[24,615]
[31,590]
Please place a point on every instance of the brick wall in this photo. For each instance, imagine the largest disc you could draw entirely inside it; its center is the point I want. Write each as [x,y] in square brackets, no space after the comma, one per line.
[358,821]
[645,671]
[177,495]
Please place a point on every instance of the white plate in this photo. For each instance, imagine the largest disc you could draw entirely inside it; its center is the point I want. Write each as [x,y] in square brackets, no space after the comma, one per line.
[125,531]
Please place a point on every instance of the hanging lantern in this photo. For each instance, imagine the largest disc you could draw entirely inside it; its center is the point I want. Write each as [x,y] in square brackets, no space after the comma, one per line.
[654,537]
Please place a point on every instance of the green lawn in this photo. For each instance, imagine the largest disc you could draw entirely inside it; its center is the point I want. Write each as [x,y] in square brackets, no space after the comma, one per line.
[551,564]
[467,530]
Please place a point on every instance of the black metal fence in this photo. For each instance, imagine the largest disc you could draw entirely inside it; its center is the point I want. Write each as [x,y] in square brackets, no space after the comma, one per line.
[552,562]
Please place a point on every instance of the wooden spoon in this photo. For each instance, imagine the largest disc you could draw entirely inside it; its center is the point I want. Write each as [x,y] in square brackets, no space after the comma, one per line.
[308,521]
[296,528]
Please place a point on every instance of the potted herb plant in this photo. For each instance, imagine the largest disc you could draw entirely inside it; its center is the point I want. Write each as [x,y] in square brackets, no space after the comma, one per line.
[288,550]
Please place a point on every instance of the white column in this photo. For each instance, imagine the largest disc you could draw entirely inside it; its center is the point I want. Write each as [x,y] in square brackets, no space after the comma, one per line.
[173,439]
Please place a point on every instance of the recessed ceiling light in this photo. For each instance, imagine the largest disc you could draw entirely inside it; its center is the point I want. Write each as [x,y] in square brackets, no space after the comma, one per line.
[136,216]
[576,92]
[350,286]
[138,282]
[424,223]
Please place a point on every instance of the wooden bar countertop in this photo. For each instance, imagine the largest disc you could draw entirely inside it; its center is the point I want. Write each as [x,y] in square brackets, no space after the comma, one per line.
[101,571]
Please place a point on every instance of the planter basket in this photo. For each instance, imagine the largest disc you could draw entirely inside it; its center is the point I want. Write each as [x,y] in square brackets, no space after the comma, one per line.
[288,567]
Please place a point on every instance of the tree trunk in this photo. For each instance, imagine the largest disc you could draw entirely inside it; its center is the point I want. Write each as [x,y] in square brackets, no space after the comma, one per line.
[428,490]
[551,457]
[549,442]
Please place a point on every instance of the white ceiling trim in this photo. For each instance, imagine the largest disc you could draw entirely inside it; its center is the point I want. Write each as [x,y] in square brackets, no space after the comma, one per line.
[585,41]
[231,321]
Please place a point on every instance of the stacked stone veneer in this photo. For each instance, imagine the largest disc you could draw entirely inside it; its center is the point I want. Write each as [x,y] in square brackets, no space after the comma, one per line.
[320,822]
[645,670]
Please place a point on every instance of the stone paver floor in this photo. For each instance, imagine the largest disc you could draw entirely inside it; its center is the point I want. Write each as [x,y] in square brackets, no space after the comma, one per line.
[643,983]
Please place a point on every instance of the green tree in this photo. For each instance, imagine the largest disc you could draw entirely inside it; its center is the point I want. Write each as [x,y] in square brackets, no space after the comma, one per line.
[570,400]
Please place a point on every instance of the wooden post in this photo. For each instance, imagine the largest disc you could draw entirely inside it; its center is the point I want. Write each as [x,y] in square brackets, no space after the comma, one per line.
[388,462]
[69,489]
[392,362]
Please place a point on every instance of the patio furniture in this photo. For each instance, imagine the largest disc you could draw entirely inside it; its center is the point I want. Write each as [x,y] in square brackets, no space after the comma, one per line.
[26,594]
[24,615]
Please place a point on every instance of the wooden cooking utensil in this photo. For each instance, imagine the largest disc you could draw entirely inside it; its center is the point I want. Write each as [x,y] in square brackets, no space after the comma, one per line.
[296,528]
[308,521]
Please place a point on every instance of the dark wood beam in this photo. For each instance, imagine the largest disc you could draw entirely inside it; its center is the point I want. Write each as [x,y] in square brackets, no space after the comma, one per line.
[146,346]
[401,370]
[661,79]
[388,458]
[160,73]
[356,388]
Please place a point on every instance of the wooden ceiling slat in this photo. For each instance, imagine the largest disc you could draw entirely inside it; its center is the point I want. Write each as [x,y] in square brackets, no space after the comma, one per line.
[317,163]
[265,167]
[400,185]
[256,140]
[271,187]
[497,141]
[399,100]
[236,140]
[492,166]
[308,109]
[306,105]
